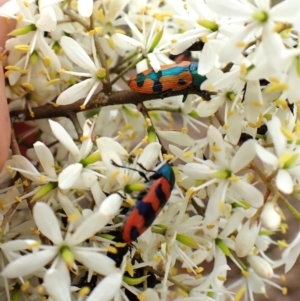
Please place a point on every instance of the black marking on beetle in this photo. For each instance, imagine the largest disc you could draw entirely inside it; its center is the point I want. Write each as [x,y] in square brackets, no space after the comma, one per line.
[181,82]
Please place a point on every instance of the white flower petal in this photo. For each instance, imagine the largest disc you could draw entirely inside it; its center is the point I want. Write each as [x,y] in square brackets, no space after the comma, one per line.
[47,20]
[76,92]
[46,158]
[265,156]
[28,170]
[9,9]
[149,155]
[57,284]
[69,176]
[231,8]
[111,205]
[127,43]
[284,181]
[217,146]
[77,54]
[179,153]
[134,29]
[249,193]
[88,228]
[48,52]
[198,171]
[64,138]
[67,205]
[176,137]
[46,222]
[17,245]
[246,238]
[208,108]
[85,8]
[104,266]
[87,143]
[232,224]
[291,259]
[279,140]
[105,142]
[28,264]
[85,180]
[291,253]
[107,288]
[213,210]
[243,156]
[285,11]
[154,62]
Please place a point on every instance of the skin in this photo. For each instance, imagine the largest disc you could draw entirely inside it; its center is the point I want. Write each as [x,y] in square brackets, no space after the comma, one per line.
[4,115]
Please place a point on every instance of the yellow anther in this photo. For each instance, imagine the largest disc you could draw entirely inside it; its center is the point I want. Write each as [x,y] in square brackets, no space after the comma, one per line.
[22,48]
[241,44]
[215,148]
[245,273]
[18,199]
[52,82]
[288,134]
[47,61]
[277,87]
[84,291]
[28,86]
[210,226]
[238,296]
[188,155]
[25,286]
[73,217]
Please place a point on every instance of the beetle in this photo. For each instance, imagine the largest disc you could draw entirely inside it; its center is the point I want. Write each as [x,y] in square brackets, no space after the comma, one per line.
[149,202]
[172,77]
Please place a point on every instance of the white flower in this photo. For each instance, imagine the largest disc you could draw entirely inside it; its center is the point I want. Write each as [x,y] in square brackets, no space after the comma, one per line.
[111,151]
[224,170]
[43,21]
[77,174]
[57,284]
[260,20]
[67,249]
[286,158]
[145,43]
[95,73]
[205,26]
[229,88]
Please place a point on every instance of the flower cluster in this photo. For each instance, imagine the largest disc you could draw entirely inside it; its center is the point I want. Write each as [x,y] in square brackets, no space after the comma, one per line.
[233,147]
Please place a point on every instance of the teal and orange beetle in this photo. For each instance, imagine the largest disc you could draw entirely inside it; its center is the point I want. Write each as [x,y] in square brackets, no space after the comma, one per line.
[172,77]
[149,202]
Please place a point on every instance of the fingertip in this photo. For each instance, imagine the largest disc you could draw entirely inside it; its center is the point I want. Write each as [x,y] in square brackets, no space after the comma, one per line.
[4,123]
[6,27]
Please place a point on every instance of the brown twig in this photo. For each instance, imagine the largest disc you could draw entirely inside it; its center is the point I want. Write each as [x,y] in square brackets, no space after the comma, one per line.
[97,101]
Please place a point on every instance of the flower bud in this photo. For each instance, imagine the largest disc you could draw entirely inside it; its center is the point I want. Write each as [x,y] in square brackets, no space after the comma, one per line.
[260,266]
[111,205]
[270,217]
